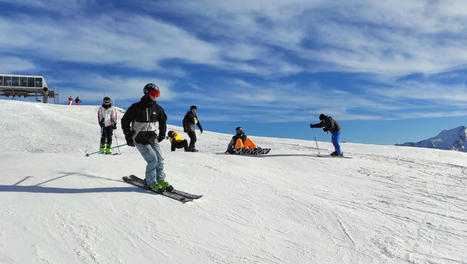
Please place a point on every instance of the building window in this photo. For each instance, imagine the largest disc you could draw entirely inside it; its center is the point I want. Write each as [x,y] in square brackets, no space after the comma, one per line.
[1,80]
[23,81]
[30,82]
[15,81]
[7,80]
[38,82]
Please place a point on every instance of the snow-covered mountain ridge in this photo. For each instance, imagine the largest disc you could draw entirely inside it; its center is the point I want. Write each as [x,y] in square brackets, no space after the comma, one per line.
[452,139]
[387,204]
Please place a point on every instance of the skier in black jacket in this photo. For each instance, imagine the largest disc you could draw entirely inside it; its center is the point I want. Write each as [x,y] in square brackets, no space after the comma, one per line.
[140,127]
[189,122]
[331,125]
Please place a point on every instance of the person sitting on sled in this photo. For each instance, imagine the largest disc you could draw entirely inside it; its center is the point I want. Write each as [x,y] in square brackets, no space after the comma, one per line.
[330,124]
[240,141]
[176,141]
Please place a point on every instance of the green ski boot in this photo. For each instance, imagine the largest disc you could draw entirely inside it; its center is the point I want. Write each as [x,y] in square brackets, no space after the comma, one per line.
[108,150]
[161,186]
[103,148]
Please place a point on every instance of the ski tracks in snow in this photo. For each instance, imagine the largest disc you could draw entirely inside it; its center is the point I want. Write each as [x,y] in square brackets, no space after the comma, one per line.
[426,198]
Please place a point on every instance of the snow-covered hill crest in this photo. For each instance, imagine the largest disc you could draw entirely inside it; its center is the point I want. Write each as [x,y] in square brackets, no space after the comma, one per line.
[387,204]
[452,139]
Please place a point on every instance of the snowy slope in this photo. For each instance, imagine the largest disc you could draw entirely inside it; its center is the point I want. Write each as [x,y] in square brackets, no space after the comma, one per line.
[387,204]
[447,139]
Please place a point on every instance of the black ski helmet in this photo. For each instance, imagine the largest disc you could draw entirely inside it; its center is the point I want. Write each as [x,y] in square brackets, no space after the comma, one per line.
[106,98]
[239,130]
[150,86]
[322,117]
[171,133]
[193,107]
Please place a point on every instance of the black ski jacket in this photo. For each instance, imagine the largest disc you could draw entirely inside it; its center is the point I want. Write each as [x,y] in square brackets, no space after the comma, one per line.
[329,124]
[189,122]
[140,121]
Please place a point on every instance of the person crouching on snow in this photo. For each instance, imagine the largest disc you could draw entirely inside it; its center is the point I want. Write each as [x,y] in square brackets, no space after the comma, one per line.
[240,141]
[176,141]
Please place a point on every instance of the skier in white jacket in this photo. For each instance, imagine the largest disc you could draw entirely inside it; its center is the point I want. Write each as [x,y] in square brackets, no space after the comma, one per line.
[107,118]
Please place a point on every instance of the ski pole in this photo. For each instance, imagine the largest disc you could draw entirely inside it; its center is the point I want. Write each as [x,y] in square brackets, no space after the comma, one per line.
[92,153]
[116,140]
[316,141]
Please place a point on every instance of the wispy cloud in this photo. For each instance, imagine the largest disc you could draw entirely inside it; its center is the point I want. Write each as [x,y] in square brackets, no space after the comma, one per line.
[135,41]
[255,60]
[449,94]
[10,64]
[396,37]
[60,6]
[90,86]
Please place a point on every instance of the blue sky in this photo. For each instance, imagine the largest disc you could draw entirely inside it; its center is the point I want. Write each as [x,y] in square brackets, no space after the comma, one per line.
[388,71]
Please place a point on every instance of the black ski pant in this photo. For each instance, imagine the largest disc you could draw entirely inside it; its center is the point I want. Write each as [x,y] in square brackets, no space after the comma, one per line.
[192,136]
[179,144]
[106,136]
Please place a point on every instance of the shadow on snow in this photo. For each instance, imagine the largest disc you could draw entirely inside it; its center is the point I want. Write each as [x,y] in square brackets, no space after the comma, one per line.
[37,188]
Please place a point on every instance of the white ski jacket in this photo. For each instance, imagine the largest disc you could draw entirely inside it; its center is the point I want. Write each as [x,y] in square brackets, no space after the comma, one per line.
[107,115]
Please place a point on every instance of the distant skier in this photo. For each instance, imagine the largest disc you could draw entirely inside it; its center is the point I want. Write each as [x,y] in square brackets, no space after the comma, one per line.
[176,141]
[77,101]
[331,125]
[189,122]
[144,125]
[240,141]
[107,118]
[70,100]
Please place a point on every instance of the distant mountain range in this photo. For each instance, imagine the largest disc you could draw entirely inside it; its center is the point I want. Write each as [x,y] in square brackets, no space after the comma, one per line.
[453,139]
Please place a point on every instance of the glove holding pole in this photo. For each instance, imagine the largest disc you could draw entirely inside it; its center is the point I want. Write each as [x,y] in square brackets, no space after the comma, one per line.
[129,140]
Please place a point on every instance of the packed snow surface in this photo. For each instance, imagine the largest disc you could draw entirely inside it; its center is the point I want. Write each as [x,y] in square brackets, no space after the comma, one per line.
[387,204]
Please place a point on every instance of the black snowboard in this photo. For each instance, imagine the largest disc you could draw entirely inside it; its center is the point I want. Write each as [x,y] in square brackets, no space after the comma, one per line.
[247,151]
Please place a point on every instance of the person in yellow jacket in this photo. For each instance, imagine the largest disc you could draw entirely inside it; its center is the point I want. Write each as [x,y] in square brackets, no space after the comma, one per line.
[176,141]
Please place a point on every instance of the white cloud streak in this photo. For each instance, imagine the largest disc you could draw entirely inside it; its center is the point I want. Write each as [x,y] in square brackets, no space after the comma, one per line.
[386,37]
[138,41]
[15,65]
[270,39]
[92,86]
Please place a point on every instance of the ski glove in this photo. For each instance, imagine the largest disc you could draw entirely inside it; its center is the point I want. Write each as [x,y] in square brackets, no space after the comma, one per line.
[101,123]
[325,129]
[159,139]
[114,126]
[129,140]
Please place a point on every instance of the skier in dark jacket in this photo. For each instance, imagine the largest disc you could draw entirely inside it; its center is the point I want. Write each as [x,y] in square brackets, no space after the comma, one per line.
[144,125]
[331,125]
[189,122]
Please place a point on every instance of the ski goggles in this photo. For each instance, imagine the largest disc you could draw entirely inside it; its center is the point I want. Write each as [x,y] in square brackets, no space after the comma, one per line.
[154,93]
